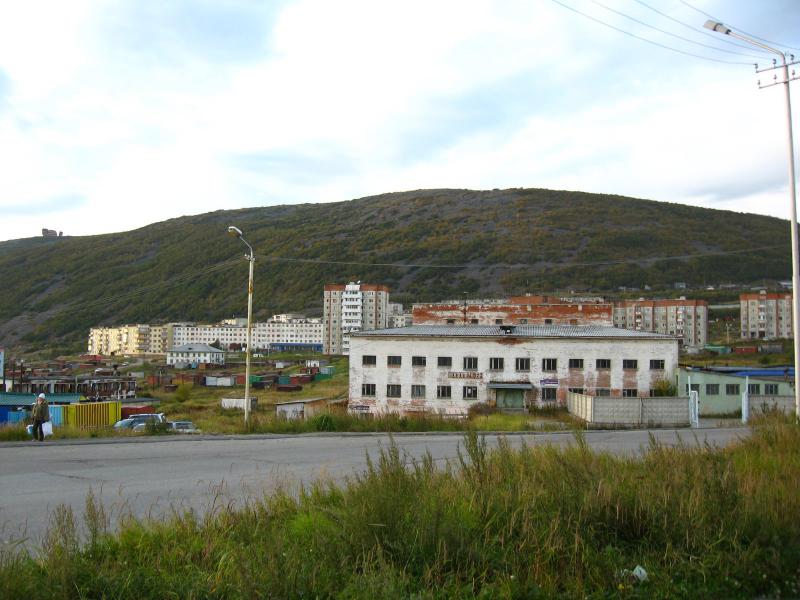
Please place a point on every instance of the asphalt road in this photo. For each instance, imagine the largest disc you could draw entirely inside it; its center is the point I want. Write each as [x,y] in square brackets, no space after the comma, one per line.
[152,476]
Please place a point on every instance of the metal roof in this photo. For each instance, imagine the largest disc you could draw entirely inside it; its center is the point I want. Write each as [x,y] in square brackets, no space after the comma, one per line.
[499,331]
[25,399]
[196,348]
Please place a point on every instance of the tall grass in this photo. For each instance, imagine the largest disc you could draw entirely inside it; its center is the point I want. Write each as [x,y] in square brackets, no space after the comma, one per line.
[533,522]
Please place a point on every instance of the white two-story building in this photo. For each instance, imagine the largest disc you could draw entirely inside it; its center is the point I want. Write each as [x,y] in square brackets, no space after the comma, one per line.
[446,369]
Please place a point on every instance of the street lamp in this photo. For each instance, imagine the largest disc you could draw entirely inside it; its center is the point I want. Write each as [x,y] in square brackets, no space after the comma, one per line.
[725,30]
[236,232]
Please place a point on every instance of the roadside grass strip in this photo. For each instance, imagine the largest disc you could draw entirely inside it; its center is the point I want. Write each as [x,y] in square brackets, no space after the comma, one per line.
[505,523]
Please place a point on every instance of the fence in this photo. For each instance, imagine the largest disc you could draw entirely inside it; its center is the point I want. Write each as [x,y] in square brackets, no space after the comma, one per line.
[92,414]
[631,412]
[758,405]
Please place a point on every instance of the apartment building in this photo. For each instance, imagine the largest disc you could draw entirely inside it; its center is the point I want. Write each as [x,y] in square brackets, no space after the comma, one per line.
[447,369]
[127,339]
[288,331]
[281,332]
[685,319]
[351,308]
[766,315]
[517,310]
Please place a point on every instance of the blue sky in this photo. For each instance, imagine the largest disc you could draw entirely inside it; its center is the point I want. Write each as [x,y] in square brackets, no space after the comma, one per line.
[116,114]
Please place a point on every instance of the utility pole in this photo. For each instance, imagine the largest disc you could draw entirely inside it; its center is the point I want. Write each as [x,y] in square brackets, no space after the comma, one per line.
[784,79]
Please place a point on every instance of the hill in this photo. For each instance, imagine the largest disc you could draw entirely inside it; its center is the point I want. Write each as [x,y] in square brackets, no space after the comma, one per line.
[498,242]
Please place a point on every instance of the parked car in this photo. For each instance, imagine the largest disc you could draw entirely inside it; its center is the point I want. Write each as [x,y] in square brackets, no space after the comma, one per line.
[183,427]
[140,420]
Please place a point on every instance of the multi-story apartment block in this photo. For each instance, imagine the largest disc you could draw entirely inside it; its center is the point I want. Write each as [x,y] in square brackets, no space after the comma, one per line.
[127,339]
[517,310]
[351,308]
[445,369]
[281,332]
[287,332]
[766,315]
[685,319]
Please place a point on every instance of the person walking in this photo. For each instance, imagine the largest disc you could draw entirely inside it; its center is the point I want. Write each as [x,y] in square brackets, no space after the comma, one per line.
[40,414]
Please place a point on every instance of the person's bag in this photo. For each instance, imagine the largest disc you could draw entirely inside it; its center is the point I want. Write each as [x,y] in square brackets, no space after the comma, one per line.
[47,428]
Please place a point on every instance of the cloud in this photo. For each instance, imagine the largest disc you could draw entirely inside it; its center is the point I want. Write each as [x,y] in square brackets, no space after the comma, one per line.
[150,111]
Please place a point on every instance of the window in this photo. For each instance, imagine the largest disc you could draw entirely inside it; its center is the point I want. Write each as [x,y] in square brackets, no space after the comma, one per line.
[418,361]
[393,390]
[470,363]
[417,391]
[394,361]
[602,392]
[523,364]
[474,321]
[470,391]
[603,363]
[549,393]
[496,364]
[548,321]
[443,391]
[630,363]
[451,321]
[444,361]
[576,390]
[367,389]
[712,389]
[368,360]
[695,388]
[732,389]
[754,388]
[575,363]
[656,365]
[771,389]
[549,364]
[630,393]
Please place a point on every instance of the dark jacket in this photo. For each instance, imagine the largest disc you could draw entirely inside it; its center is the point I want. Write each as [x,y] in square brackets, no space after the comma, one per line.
[41,412]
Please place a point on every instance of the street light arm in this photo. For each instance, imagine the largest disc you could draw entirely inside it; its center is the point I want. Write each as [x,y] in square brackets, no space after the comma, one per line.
[725,30]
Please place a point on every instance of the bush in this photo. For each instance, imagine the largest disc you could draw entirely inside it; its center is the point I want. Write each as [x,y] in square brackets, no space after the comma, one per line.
[481,409]
[183,392]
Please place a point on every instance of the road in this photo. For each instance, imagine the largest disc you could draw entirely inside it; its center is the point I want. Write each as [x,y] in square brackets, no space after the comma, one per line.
[151,476]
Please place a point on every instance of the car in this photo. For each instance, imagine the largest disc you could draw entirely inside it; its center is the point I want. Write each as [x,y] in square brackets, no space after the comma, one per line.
[140,420]
[182,427]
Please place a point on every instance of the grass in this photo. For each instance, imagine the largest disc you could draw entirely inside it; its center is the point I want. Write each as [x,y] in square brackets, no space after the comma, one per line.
[528,523]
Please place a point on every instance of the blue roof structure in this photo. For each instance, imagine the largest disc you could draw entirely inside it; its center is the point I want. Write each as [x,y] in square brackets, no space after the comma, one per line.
[20,399]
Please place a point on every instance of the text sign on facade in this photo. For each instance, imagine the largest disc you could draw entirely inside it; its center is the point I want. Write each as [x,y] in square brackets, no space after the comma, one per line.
[548,382]
[465,375]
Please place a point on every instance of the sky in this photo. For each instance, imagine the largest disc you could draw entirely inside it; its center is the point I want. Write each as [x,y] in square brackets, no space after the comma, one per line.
[115,114]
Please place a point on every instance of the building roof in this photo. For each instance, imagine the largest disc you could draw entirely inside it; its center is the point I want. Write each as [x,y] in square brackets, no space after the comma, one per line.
[527,331]
[195,348]
[25,399]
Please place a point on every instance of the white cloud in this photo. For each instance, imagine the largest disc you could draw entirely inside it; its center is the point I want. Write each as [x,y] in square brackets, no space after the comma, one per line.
[355,98]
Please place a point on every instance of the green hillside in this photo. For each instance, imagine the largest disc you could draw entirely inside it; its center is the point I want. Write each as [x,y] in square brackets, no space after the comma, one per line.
[501,241]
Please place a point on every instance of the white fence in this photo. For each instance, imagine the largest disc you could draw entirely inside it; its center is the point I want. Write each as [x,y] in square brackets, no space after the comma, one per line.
[238,403]
[631,412]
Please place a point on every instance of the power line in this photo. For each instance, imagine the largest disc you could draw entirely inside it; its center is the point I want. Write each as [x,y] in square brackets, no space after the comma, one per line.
[145,290]
[699,30]
[518,265]
[665,32]
[649,41]
[197,273]
[766,41]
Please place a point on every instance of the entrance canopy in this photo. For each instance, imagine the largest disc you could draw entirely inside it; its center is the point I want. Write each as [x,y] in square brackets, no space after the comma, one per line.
[510,386]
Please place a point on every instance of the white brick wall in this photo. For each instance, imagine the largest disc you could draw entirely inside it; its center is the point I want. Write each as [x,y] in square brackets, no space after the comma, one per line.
[431,376]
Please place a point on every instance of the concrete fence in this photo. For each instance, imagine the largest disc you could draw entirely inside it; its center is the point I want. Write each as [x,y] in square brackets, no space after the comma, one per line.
[761,404]
[630,412]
